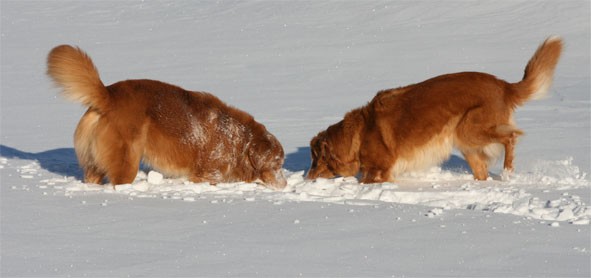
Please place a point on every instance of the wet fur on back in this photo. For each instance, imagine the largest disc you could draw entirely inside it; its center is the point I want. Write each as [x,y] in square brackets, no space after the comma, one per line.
[417,126]
[178,132]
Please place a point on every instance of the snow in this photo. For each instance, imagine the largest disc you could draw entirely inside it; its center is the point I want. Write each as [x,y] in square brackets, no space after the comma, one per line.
[297,67]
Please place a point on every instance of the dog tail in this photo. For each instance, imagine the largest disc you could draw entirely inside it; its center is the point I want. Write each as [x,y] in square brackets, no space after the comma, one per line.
[73,71]
[538,72]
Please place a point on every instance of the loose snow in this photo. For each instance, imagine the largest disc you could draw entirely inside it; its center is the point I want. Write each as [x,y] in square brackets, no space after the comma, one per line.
[297,67]
[445,191]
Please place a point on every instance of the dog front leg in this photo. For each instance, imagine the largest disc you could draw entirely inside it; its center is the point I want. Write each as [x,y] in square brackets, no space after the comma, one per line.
[376,164]
[375,175]
[93,175]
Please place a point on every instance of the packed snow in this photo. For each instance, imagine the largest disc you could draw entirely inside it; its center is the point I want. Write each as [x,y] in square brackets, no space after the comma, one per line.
[297,67]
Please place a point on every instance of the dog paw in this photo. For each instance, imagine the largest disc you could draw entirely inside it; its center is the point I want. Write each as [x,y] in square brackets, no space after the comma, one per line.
[507,174]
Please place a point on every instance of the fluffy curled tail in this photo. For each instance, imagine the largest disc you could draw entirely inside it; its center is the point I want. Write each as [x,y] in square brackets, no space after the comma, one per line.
[538,72]
[73,71]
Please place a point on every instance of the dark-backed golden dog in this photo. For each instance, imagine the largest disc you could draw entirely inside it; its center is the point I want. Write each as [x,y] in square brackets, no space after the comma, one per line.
[178,132]
[414,127]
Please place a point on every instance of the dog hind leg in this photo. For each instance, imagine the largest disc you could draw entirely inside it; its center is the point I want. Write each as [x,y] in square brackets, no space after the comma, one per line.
[125,162]
[84,144]
[118,155]
[507,135]
[478,162]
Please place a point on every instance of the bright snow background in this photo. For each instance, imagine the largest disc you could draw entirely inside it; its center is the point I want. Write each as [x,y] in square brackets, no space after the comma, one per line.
[297,66]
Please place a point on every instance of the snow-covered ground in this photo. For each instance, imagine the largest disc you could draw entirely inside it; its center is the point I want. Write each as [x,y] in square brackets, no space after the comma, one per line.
[296,66]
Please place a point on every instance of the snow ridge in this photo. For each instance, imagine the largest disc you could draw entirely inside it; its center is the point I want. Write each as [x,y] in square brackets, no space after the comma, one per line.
[440,189]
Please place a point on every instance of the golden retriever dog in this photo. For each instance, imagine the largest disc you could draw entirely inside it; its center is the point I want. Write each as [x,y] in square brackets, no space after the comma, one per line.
[414,127]
[178,132]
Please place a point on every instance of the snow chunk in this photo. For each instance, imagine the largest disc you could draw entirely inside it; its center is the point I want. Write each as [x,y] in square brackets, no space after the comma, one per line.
[155,177]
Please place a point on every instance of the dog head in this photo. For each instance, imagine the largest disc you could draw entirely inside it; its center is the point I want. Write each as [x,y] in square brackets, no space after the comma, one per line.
[334,153]
[266,157]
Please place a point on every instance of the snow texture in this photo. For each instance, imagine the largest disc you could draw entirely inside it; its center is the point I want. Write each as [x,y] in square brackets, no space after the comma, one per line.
[297,67]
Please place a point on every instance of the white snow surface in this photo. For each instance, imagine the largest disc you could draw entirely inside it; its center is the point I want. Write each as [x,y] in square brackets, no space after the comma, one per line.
[297,67]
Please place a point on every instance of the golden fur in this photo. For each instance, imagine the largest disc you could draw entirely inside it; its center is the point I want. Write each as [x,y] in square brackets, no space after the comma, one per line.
[178,132]
[416,126]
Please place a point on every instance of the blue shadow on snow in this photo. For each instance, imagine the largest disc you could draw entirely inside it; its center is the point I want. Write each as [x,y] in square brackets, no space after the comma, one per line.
[298,161]
[59,161]
[63,161]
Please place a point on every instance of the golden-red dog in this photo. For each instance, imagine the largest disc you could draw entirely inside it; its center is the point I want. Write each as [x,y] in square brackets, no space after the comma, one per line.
[416,126]
[178,132]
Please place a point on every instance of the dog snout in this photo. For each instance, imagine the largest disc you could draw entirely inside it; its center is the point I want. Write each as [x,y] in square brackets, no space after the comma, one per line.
[280,178]
[275,179]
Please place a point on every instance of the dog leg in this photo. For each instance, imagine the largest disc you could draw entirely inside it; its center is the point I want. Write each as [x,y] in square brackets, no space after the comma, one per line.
[375,175]
[478,163]
[125,162]
[84,143]
[371,176]
[93,175]
[199,179]
[508,137]
[509,156]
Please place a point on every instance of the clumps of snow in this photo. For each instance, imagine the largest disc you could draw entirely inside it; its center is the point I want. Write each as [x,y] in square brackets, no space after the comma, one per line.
[189,199]
[581,221]
[435,174]
[155,177]
[3,162]
[438,189]
[29,171]
[570,209]
[434,212]
[561,174]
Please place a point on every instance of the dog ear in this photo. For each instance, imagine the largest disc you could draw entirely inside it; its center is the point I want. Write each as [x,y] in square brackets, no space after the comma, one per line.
[260,154]
[253,157]
[328,152]
[324,149]
[314,148]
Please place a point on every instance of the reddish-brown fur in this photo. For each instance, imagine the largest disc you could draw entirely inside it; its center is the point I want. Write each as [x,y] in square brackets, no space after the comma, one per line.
[416,126]
[178,132]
